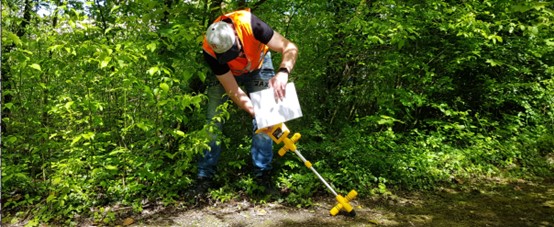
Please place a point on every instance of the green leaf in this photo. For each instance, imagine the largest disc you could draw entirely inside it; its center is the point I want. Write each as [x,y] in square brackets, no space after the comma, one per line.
[151,47]
[76,139]
[68,105]
[143,126]
[115,8]
[51,197]
[88,135]
[56,180]
[32,222]
[170,155]
[13,37]
[10,140]
[164,87]
[153,70]
[55,47]
[118,151]
[180,133]
[178,172]
[166,71]
[36,66]
[163,102]
[385,120]
[534,30]
[493,62]
[105,62]
[8,105]
[110,167]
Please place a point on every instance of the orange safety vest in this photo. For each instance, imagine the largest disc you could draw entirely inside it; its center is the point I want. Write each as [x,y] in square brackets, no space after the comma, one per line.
[254,50]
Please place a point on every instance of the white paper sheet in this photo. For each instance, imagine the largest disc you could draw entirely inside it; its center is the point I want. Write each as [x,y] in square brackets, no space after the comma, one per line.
[269,112]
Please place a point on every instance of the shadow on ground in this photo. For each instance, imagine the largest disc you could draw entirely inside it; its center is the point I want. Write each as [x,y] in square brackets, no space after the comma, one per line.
[518,203]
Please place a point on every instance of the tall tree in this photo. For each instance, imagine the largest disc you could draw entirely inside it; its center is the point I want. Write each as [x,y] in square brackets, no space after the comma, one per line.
[19,27]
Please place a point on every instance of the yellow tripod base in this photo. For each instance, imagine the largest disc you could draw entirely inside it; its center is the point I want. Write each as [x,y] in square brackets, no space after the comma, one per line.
[344,204]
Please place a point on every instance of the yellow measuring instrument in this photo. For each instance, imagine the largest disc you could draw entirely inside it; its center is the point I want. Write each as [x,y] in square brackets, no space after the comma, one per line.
[279,134]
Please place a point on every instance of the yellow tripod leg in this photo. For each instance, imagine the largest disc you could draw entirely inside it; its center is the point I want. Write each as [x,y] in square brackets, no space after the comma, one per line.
[344,203]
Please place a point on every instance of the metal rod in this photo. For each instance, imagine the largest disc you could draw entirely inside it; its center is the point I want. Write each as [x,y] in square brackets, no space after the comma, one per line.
[316,173]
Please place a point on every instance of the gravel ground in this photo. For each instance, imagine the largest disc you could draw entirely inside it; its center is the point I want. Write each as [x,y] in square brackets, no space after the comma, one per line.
[244,213]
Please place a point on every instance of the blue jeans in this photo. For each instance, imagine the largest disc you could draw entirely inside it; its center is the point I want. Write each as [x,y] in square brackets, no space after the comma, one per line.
[262,145]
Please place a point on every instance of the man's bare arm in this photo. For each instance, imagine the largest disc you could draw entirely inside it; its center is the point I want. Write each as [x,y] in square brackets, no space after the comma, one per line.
[288,49]
[236,93]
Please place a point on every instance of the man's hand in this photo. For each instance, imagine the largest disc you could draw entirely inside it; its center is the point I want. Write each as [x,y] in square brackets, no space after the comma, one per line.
[280,44]
[279,85]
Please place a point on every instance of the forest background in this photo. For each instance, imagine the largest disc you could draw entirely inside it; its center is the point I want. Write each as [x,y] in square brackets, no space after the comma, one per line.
[103,102]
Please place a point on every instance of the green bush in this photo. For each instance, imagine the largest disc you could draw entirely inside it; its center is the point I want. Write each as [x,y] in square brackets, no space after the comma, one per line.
[100,109]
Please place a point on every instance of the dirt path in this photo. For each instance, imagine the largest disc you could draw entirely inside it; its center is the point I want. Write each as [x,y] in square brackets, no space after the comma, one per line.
[517,203]
[504,204]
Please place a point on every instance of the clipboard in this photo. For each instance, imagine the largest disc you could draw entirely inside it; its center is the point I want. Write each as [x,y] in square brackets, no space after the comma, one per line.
[270,112]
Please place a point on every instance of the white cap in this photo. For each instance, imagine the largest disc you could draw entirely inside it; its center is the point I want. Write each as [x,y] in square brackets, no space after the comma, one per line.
[220,36]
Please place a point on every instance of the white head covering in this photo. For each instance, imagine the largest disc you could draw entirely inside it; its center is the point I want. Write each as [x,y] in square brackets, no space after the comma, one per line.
[220,36]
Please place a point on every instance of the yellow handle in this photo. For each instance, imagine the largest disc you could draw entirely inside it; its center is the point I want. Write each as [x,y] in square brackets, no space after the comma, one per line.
[295,137]
[351,195]
[289,144]
[335,210]
[282,151]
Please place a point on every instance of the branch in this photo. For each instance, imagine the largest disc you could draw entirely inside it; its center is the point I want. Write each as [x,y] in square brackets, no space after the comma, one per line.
[258,4]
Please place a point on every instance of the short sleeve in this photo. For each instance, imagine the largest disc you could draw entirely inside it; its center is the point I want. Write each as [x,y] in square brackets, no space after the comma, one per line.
[261,30]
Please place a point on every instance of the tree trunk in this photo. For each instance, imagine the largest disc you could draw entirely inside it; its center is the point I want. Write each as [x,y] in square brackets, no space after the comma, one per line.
[6,77]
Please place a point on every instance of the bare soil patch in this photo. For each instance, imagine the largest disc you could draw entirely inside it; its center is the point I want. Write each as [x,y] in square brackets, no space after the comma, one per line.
[497,203]
[518,203]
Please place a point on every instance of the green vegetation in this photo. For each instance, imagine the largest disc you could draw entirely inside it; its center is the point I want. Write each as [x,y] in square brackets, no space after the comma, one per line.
[103,101]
